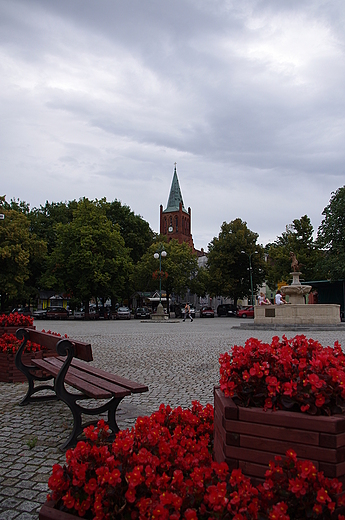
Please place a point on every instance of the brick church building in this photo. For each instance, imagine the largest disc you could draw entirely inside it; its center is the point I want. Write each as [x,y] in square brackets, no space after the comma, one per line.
[175,220]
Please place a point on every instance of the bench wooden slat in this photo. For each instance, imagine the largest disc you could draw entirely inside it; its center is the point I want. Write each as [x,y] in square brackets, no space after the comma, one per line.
[122,381]
[118,391]
[89,389]
[82,350]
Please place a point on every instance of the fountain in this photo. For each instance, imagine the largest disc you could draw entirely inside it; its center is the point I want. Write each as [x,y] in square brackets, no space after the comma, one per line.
[296,291]
[296,312]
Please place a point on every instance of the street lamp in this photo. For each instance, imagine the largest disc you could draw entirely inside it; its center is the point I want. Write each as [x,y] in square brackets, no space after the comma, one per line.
[159,254]
[250,271]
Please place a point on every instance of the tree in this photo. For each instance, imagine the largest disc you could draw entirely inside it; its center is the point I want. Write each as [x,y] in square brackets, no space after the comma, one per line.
[20,252]
[228,261]
[45,218]
[136,232]
[14,253]
[179,268]
[89,258]
[331,236]
[297,238]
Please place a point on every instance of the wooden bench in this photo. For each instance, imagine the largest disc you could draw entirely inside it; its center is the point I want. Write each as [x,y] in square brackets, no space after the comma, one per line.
[65,369]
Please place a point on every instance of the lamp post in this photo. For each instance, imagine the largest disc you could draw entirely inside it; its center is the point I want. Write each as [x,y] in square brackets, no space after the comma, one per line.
[159,254]
[250,271]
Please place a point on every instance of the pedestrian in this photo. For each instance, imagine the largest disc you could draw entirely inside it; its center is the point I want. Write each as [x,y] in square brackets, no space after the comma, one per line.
[187,313]
[279,300]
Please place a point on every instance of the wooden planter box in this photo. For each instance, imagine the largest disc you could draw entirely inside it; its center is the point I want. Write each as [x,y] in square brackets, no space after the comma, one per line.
[248,438]
[47,512]
[13,330]
[8,370]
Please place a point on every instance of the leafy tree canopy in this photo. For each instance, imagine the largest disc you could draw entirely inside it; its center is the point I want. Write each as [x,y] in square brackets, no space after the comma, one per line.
[136,232]
[331,236]
[228,261]
[19,250]
[89,257]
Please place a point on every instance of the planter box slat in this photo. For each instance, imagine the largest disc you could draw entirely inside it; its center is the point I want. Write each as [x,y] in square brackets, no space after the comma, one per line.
[333,424]
[257,456]
[266,434]
[275,432]
[254,470]
[303,450]
[332,441]
[333,470]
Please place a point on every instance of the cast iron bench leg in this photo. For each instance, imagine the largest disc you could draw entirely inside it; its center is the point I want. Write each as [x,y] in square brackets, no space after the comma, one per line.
[30,375]
[77,411]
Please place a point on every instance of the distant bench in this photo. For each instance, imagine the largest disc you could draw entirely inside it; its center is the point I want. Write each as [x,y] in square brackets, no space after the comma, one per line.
[61,365]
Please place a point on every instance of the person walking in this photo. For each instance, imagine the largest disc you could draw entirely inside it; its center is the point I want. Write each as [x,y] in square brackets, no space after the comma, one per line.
[187,313]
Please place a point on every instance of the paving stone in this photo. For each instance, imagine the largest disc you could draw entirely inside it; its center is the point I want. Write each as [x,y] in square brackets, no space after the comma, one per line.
[9,514]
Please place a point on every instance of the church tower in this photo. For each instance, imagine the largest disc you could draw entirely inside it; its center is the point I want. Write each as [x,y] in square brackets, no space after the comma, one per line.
[175,220]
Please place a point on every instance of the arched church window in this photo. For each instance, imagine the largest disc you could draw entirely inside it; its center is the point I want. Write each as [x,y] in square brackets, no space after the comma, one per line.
[176,224]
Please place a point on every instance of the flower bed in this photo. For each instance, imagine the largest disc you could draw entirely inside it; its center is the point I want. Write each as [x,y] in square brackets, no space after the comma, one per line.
[278,396]
[163,468]
[10,323]
[297,374]
[15,320]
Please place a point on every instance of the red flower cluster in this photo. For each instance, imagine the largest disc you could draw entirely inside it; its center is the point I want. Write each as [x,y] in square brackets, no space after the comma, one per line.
[294,489]
[296,374]
[10,344]
[15,320]
[163,468]
[54,333]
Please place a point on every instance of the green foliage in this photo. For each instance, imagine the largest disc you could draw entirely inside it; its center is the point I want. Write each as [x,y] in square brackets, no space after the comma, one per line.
[297,238]
[45,219]
[136,232]
[331,236]
[19,251]
[181,264]
[90,257]
[228,266]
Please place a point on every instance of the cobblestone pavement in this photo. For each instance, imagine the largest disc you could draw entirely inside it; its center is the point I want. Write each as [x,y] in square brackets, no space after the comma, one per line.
[178,361]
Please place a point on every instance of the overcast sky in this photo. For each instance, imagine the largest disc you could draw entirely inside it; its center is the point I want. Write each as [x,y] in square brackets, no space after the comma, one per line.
[99,98]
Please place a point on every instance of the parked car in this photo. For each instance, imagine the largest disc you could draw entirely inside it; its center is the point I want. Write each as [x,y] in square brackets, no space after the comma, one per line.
[79,315]
[245,312]
[206,312]
[142,313]
[40,314]
[226,309]
[57,313]
[22,310]
[123,313]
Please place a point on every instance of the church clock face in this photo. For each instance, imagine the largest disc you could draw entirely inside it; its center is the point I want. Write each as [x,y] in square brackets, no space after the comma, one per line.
[170,229]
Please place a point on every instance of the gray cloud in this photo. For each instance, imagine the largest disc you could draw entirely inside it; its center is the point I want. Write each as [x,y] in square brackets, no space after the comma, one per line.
[100,99]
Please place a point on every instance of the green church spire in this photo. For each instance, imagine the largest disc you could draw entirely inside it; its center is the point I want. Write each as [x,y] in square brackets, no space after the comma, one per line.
[175,196]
